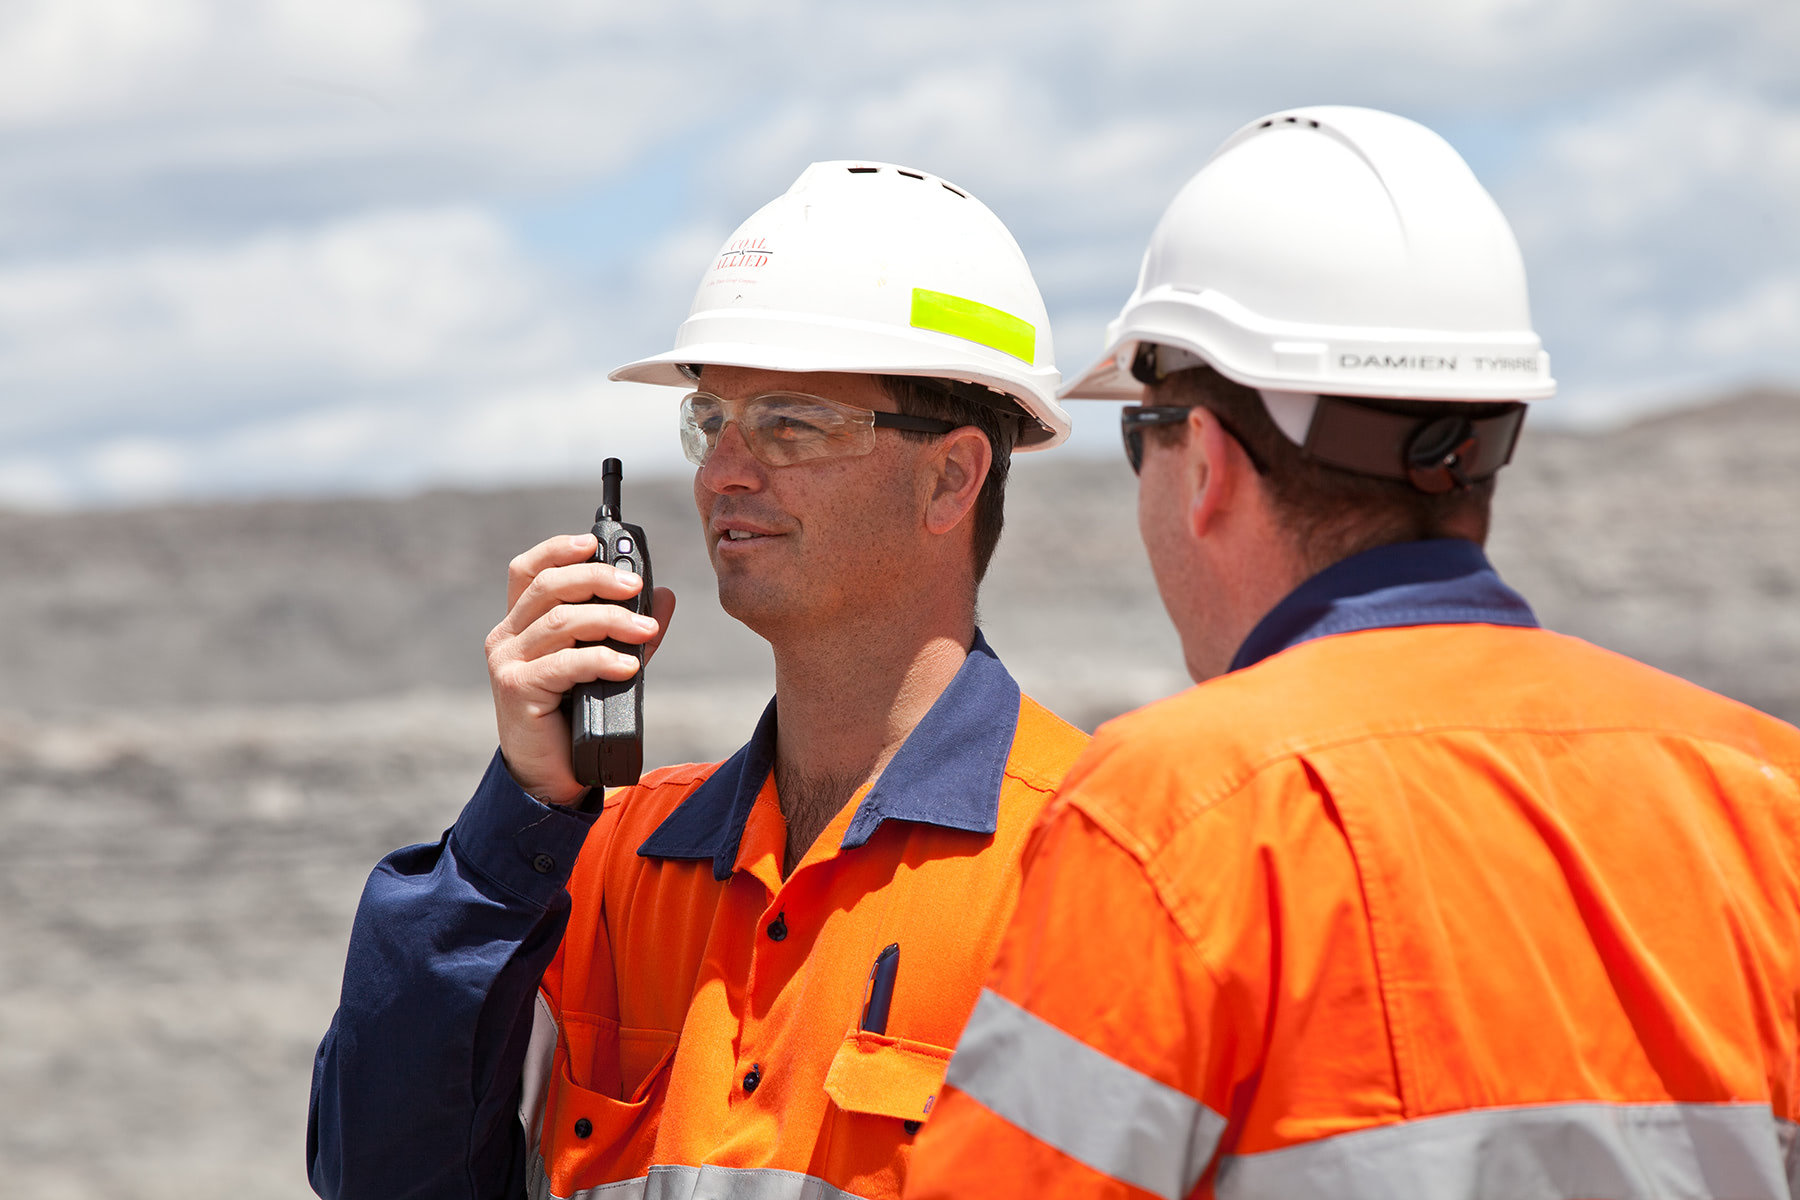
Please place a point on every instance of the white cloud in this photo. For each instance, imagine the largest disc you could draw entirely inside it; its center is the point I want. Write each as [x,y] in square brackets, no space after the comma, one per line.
[557,430]
[383,351]
[377,301]
[364,38]
[268,244]
[1663,234]
[1765,318]
[191,118]
[63,59]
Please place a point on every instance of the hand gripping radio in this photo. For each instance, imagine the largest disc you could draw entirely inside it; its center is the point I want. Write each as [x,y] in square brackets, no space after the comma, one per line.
[606,717]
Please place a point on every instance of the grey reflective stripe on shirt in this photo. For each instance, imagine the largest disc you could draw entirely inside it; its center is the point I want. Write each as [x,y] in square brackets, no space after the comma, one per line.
[540,1060]
[1093,1108]
[699,1183]
[537,1186]
[1540,1152]
[1789,1133]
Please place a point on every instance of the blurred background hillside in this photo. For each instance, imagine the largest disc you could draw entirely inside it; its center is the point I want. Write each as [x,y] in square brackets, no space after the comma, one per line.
[305,312]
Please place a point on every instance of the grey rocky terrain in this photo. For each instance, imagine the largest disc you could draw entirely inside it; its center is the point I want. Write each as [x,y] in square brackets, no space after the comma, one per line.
[214,719]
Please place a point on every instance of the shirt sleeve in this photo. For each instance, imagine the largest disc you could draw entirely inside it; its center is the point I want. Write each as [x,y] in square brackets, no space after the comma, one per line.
[1085,1067]
[416,1085]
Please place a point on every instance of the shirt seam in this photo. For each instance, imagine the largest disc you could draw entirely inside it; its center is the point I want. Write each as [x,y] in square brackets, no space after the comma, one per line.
[1404,618]
[1165,884]
[1191,809]
[474,865]
[1037,783]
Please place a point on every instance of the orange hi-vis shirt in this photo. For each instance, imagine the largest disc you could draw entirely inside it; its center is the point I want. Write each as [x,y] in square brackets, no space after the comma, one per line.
[700,1033]
[1430,910]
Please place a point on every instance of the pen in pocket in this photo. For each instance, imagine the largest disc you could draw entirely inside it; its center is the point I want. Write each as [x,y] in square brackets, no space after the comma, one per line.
[881,990]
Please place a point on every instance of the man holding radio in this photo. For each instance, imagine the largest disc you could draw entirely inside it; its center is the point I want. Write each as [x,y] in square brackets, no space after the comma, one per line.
[1410,898]
[740,978]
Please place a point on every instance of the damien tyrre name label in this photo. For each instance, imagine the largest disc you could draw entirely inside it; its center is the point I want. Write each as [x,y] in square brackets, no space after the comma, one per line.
[1526,363]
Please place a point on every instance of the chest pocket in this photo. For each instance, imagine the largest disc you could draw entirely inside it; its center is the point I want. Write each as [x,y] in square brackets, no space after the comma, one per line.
[885,1076]
[613,1060]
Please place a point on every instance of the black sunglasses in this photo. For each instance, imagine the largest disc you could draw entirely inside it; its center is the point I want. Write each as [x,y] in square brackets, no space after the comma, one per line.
[1133,420]
[1147,370]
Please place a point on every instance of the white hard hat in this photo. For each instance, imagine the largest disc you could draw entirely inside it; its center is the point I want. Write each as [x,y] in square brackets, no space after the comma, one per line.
[875,269]
[1333,250]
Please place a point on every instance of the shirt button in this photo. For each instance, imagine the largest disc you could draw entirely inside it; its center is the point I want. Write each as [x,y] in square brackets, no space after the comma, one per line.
[543,864]
[752,1077]
[583,1127]
[778,928]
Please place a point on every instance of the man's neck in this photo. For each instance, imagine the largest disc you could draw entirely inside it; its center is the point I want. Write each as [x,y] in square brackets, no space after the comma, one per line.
[1243,577]
[847,702]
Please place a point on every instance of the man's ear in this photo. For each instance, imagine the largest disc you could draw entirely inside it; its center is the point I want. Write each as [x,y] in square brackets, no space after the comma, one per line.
[958,469]
[1216,467]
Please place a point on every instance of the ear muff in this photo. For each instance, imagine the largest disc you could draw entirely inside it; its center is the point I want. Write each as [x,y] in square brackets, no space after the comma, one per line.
[1439,454]
[1436,453]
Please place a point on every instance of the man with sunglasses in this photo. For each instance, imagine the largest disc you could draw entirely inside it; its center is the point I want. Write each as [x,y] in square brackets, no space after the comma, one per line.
[1409,897]
[743,978]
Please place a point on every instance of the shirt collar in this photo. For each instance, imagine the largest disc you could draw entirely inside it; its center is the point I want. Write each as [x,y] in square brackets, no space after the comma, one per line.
[1443,581]
[947,773]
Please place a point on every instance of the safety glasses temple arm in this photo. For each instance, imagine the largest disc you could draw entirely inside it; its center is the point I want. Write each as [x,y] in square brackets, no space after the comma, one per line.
[888,420]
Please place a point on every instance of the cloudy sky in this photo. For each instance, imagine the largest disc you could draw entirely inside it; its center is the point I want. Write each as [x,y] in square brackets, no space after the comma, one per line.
[263,246]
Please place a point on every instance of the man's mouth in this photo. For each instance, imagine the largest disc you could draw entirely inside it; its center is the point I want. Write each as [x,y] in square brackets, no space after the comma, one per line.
[745,528]
[732,535]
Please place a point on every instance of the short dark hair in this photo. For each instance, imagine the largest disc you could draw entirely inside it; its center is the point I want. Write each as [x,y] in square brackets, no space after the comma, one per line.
[1332,513]
[967,404]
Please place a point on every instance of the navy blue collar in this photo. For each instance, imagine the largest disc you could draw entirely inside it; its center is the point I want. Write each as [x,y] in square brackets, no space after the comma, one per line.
[1445,581]
[947,773]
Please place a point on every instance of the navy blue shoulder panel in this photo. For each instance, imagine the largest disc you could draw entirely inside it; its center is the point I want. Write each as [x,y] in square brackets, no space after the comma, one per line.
[1443,581]
[710,822]
[946,773]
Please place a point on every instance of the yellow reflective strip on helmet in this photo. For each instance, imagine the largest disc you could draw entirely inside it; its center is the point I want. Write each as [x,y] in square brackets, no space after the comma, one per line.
[975,321]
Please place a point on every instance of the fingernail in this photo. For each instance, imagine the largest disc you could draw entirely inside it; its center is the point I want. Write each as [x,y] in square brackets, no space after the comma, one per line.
[581,541]
[625,576]
[647,624]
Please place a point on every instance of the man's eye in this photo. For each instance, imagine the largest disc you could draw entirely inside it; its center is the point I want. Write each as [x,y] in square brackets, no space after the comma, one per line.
[794,425]
[797,424]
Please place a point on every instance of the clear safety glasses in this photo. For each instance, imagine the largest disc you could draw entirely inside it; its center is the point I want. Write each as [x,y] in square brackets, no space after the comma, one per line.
[784,428]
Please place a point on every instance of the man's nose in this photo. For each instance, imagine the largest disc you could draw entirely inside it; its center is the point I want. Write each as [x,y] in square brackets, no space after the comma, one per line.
[731,467]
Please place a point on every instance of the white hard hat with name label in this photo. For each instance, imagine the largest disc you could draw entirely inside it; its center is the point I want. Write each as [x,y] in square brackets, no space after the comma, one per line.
[1337,251]
[874,269]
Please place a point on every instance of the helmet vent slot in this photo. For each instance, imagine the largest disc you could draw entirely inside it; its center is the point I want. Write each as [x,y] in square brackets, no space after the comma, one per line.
[862,170]
[963,194]
[909,174]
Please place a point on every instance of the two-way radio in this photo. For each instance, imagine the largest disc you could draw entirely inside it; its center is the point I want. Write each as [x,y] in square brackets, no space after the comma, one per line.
[606,717]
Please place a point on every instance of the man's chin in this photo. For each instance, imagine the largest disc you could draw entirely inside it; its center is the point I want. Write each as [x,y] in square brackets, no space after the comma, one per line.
[760,608]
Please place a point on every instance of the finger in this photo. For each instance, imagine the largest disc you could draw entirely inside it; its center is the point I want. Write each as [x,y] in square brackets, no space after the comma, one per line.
[567,624]
[574,584]
[561,670]
[558,551]
[662,608]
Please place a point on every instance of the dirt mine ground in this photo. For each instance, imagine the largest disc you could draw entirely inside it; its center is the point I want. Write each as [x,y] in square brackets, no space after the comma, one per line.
[215,719]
